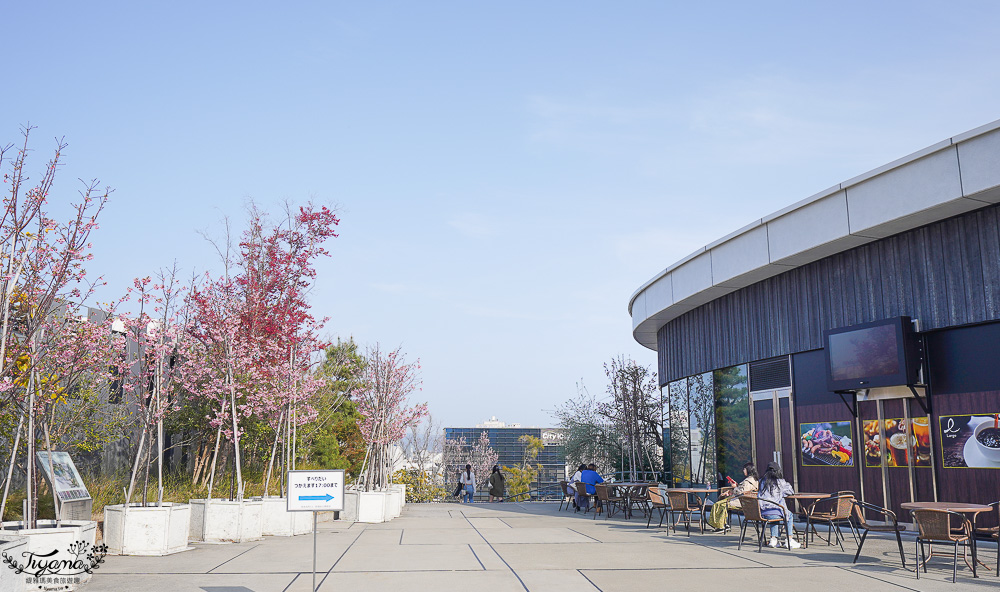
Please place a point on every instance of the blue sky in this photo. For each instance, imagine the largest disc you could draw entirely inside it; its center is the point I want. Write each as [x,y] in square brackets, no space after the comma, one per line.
[507,174]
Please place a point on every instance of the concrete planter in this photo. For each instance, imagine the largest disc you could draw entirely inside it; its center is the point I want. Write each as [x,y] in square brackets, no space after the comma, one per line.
[350,513]
[150,530]
[48,537]
[402,489]
[393,503]
[12,545]
[225,521]
[278,521]
[372,506]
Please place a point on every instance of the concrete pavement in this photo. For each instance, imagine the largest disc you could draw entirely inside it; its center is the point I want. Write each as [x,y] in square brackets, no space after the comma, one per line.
[517,547]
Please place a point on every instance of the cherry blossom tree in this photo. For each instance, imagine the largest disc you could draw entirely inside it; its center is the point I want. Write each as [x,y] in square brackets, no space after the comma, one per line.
[156,332]
[42,281]
[253,334]
[388,382]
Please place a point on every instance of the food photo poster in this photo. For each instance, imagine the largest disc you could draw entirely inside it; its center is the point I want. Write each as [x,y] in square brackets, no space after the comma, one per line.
[826,444]
[897,451]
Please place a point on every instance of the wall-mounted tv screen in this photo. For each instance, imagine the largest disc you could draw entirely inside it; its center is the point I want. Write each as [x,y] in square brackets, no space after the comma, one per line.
[878,354]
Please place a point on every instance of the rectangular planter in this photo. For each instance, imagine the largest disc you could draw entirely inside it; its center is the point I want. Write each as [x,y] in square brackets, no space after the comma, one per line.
[394,503]
[278,521]
[12,545]
[48,537]
[371,506]
[225,521]
[150,530]
[350,513]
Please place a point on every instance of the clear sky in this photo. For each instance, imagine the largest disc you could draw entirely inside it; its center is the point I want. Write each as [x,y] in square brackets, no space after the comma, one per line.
[507,174]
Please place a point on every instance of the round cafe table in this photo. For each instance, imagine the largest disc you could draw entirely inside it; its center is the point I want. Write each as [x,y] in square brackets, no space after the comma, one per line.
[961,507]
[801,498]
[633,492]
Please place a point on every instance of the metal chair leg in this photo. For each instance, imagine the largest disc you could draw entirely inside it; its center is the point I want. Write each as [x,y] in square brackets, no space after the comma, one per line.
[954,570]
[899,541]
[862,544]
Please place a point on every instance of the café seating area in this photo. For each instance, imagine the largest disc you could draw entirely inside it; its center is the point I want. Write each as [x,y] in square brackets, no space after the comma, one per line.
[836,519]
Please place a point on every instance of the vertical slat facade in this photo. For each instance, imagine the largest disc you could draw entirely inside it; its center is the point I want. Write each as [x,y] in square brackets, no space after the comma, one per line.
[945,274]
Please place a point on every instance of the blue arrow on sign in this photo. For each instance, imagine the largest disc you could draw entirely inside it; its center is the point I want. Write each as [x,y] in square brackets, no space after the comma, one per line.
[315,498]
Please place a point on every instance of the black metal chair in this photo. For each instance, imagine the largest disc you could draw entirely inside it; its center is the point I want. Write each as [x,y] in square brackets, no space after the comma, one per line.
[891,525]
[832,511]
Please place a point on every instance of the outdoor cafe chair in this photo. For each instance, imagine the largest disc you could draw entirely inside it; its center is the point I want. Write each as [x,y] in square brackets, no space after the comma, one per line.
[581,489]
[752,515]
[889,524]
[938,527]
[680,508]
[832,511]
[567,495]
[730,509]
[992,532]
[610,502]
[658,504]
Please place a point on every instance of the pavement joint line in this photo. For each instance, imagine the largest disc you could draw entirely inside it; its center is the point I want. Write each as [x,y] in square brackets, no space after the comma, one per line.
[505,522]
[580,571]
[476,555]
[401,531]
[231,558]
[862,573]
[581,534]
[327,574]
[498,554]
[285,589]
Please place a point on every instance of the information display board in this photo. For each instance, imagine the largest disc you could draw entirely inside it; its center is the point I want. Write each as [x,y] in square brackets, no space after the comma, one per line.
[316,491]
[66,481]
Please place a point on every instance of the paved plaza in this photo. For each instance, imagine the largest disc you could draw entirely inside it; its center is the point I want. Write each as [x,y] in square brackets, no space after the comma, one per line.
[529,546]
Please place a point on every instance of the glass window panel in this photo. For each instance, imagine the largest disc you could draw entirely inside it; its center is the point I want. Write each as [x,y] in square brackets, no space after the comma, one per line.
[701,402]
[732,420]
[680,446]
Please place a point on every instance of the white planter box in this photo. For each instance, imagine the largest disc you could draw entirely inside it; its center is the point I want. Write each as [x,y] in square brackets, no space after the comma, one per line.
[150,530]
[278,521]
[394,503]
[371,506]
[225,521]
[12,545]
[350,513]
[402,489]
[47,538]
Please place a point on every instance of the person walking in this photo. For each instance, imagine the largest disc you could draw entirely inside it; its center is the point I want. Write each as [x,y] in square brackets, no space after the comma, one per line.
[468,481]
[496,484]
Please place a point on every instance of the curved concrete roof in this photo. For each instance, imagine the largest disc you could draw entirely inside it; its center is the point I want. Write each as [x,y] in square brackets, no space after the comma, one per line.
[956,175]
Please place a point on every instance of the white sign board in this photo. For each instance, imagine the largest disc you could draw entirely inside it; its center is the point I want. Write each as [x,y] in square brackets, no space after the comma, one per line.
[66,481]
[316,491]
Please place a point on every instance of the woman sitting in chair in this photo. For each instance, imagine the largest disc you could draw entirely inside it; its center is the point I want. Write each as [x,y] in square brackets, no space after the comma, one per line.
[730,499]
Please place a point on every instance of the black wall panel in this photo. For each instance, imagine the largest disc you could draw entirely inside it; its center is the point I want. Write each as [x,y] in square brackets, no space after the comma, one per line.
[945,274]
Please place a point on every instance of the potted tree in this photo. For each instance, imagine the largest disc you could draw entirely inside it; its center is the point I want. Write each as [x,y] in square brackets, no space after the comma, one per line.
[44,348]
[382,402]
[155,333]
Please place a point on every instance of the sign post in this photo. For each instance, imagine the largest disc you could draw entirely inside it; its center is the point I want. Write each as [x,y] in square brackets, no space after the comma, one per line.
[315,491]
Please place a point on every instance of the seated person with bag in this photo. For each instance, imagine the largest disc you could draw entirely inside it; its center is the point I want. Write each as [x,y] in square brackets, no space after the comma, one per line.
[729,500]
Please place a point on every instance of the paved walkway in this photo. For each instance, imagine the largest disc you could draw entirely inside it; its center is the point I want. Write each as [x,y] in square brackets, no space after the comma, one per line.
[517,547]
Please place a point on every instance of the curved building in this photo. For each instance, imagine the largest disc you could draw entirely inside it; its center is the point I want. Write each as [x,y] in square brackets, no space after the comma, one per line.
[742,331]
